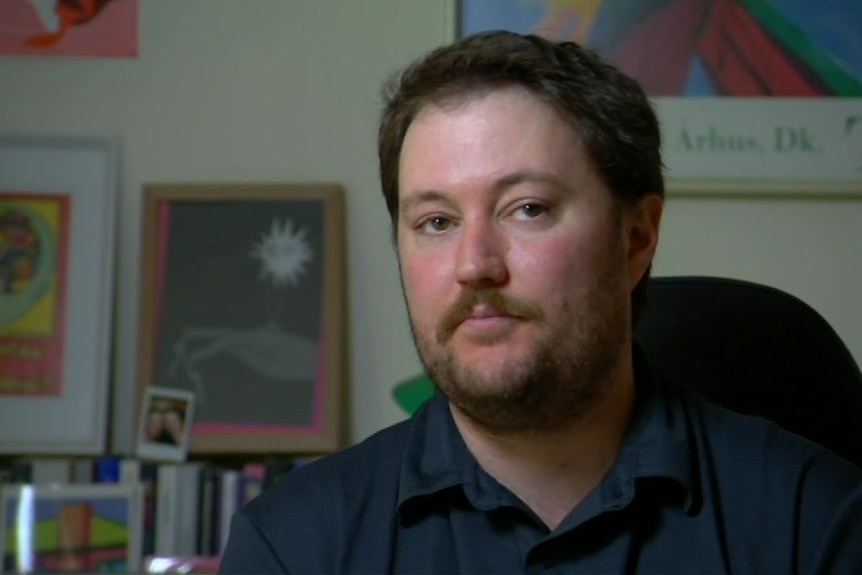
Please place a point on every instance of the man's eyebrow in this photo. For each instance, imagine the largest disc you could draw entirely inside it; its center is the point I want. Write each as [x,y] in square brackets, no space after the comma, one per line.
[527,176]
[507,181]
[421,197]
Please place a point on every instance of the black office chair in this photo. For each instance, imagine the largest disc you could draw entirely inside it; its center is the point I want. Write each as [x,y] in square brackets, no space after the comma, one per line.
[756,350]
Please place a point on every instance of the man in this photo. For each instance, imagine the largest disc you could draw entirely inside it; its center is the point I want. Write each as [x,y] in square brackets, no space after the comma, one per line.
[524,182]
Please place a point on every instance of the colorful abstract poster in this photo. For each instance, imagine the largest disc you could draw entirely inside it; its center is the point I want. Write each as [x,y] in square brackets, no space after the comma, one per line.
[750,48]
[71,529]
[34,238]
[95,28]
[744,89]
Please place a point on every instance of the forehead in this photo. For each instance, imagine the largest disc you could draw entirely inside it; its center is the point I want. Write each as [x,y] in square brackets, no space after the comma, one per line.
[489,136]
[506,105]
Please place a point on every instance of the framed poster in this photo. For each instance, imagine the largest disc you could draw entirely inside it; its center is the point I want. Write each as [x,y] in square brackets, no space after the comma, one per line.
[744,89]
[56,275]
[96,528]
[243,305]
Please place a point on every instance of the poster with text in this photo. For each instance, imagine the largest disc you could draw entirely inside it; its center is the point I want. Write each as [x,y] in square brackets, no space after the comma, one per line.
[744,88]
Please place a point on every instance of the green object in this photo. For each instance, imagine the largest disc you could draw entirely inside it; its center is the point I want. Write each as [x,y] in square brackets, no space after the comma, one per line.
[413,392]
[793,40]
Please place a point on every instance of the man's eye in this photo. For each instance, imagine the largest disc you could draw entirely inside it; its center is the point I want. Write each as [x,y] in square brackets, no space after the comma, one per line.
[530,211]
[435,225]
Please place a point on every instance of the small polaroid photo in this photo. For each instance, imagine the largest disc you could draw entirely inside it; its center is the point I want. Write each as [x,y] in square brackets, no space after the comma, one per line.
[165,424]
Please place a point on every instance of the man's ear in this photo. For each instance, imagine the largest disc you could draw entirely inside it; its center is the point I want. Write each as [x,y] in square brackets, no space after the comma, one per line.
[642,230]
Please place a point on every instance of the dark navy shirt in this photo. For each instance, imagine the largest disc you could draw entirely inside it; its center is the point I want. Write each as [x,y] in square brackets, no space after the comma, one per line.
[695,489]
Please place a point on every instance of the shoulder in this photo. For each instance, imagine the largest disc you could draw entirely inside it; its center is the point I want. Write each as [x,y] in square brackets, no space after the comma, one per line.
[757,464]
[329,513]
[760,444]
[759,478]
[372,464]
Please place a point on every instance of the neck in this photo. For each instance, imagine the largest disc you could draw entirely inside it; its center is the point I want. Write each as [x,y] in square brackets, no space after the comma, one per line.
[552,471]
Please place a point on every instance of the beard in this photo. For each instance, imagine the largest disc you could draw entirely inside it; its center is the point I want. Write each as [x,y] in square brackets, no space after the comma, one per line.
[568,369]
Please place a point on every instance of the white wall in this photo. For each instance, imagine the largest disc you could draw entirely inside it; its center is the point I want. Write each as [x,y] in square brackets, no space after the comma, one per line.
[806,246]
[287,91]
[239,91]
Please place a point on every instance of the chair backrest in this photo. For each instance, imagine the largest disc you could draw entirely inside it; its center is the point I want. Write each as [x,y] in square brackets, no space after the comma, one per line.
[756,350]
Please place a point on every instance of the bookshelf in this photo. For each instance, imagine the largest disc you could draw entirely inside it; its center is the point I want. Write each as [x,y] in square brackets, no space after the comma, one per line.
[177,511]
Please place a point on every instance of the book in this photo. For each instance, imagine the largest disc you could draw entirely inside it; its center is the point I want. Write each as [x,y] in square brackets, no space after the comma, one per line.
[81,470]
[230,497]
[177,509]
[42,470]
[106,469]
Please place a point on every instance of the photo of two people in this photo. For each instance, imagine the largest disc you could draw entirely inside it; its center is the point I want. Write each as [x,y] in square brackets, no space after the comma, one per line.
[165,424]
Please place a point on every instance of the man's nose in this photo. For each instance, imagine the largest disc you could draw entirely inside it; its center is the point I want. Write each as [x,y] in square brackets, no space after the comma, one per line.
[481,255]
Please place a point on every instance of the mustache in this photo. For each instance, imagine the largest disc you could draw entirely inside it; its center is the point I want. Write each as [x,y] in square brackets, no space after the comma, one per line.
[462,309]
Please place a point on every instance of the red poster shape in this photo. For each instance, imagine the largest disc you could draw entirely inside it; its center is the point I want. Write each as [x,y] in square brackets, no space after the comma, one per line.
[97,28]
[34,243]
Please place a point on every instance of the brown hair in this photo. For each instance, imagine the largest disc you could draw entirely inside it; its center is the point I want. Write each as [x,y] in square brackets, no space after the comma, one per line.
[608,109]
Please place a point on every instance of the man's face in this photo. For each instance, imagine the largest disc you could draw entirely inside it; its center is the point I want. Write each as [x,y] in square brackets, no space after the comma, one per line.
[513,260]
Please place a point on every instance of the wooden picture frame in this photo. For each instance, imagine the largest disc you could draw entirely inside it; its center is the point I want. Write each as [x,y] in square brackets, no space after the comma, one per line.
[57,198]
[243,304]
[85,528]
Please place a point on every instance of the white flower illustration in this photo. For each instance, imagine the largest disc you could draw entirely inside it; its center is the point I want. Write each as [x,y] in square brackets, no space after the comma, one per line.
[283,253]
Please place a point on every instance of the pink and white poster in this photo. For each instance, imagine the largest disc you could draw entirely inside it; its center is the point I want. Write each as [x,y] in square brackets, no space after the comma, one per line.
[89,28]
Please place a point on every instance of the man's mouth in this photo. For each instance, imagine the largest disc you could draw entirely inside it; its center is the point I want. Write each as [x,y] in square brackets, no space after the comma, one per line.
[487,310]
[482,312]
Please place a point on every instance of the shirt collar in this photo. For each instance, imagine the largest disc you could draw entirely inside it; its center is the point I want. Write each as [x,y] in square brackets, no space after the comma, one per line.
[656,446]
[430,462]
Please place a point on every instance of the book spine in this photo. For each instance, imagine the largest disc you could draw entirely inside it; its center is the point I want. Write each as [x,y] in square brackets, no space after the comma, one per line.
[167,527]
[129,470]
[82,470]
[253,476]
[188,509]
[208,492]
[50,471]
[149,481]
[106,470]
[229,502]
